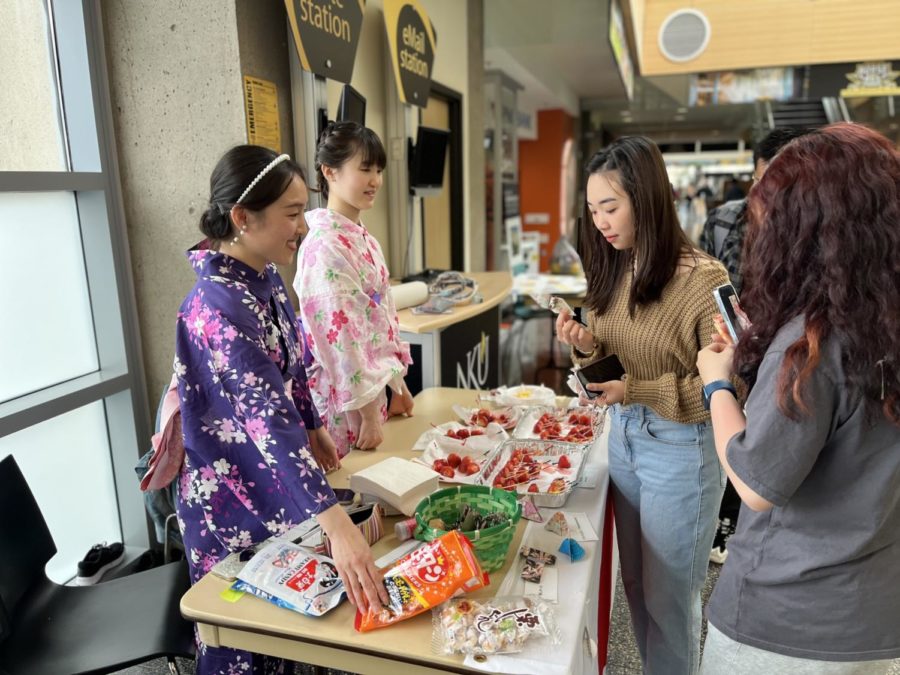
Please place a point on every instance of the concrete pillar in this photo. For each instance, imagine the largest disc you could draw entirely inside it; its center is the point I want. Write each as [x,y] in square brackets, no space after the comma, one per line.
[175,83]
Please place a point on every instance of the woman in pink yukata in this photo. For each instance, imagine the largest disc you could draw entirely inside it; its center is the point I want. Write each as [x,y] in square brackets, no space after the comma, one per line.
[352,332]
[255,451]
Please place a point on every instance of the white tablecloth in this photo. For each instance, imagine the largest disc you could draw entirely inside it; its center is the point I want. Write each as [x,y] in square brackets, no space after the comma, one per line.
[579,584]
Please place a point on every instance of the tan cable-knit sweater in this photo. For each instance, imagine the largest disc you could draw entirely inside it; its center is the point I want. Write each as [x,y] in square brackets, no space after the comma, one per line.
[659,346]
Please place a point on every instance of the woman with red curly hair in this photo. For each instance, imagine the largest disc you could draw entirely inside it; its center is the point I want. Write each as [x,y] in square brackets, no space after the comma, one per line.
[812,581]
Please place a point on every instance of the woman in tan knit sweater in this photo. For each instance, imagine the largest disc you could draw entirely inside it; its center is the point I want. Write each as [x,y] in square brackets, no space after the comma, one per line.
[650,302]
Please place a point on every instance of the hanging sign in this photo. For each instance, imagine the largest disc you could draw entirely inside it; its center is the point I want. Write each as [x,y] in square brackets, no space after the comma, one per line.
[326,33]
[412,41]
[620,47]
[872,79]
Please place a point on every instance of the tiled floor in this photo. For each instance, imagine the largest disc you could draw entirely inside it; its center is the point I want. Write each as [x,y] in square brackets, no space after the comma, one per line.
[520,366]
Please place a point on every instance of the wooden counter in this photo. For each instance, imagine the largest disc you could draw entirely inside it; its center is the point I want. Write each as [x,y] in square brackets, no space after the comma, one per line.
[460,349]
[493,286]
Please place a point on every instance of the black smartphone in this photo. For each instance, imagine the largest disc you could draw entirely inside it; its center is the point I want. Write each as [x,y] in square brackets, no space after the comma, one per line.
[606,369]
[734,317]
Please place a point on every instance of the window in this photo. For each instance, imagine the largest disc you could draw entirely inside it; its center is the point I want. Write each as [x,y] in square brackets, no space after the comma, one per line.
[45,298]
[73,408]
[29,105]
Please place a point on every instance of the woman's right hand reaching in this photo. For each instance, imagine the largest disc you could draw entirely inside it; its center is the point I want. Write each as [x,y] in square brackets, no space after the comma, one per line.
[571,332]
[353,559]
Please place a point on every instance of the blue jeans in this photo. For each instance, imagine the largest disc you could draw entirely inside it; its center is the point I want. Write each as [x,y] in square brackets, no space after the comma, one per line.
[667,485]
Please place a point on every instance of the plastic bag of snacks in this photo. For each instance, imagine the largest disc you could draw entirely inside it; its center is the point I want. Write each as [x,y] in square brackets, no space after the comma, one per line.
[501,625]
[433,573]
[293,578]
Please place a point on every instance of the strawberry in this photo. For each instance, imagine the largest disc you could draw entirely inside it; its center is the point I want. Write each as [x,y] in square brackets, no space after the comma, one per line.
[564,462]
[533,487]
[453,460]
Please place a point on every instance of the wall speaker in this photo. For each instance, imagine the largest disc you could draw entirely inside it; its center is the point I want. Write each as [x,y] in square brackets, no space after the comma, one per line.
[684,35]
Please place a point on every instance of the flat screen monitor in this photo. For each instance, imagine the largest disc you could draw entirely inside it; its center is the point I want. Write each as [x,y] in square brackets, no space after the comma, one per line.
[352,107]
[427,170]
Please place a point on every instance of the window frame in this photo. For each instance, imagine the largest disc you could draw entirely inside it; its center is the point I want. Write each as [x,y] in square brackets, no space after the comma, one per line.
[76,35]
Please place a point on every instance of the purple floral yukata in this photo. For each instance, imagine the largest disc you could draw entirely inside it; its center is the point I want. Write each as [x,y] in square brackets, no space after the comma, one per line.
[248,469]
[351,324]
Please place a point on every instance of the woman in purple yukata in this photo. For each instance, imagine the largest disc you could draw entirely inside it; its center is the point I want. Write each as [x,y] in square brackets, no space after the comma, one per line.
[255,449]
[348,313]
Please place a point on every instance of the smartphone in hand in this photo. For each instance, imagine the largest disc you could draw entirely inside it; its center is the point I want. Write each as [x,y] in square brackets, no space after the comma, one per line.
[736,321]
[606,369]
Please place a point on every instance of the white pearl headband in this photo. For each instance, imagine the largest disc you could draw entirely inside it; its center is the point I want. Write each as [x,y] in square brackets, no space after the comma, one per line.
[271,165]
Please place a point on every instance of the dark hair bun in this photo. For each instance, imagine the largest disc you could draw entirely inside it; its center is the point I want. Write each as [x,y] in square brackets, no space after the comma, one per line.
[239,168]
[215,224]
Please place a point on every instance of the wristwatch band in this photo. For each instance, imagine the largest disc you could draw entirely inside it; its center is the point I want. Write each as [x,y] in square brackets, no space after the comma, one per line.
[715,386]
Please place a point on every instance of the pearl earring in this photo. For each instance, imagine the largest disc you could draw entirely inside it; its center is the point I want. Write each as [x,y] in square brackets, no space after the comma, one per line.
[239,235]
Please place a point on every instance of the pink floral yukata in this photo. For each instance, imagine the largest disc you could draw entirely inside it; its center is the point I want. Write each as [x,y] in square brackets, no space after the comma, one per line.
[352,331]
[248,469]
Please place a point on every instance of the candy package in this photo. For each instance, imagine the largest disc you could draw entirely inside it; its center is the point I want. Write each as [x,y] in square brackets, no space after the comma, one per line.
[501,625]
[293,578]
[425,578]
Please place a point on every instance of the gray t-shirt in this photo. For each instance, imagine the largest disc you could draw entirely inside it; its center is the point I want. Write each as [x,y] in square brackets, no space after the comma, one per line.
[817,576]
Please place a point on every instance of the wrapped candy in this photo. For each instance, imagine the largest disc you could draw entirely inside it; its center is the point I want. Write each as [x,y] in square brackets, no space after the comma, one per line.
[501,625]
[558,524]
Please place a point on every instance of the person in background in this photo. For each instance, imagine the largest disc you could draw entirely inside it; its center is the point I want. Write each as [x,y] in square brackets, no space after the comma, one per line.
[650,302]
[358,359]
[254,445]
[704,192]
[733,190]
[723,238]
[811,584]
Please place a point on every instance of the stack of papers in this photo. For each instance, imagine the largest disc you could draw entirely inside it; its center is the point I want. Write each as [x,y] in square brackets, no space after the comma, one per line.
[398,482]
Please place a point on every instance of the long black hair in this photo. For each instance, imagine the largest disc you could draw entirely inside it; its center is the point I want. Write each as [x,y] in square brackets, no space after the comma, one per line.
[659,240]
[233,173]
[339,142]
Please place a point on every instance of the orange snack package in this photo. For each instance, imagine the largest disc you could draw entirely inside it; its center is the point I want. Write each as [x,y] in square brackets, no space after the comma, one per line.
[433,573]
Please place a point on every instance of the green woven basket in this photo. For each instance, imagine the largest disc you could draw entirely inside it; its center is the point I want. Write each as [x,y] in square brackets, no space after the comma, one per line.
[491,545]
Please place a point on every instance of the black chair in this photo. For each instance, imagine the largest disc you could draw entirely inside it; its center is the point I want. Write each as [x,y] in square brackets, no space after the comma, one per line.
[48,629]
